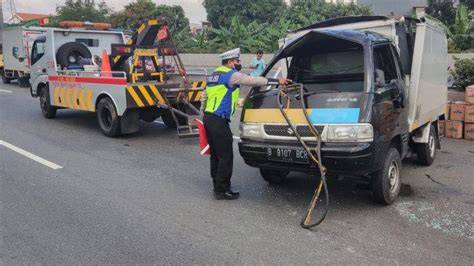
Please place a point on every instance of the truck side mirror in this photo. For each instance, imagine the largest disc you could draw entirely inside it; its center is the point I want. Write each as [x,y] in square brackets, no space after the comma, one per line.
[379,78]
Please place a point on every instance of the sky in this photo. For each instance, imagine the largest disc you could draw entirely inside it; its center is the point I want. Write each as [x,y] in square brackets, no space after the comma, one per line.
[192,8]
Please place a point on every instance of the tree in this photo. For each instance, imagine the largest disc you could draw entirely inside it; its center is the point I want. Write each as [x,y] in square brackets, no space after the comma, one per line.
[136,12]
[82,10]
[461,33]
[220,12]
[132,14]
[468,3]
[442,10]
[306,12]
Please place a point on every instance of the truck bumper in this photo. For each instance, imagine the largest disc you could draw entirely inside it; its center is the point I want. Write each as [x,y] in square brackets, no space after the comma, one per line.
[338,158]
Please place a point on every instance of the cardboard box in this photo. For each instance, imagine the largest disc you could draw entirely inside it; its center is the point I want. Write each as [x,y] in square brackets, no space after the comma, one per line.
[469,131]
[469,96]
[457,111]
[448,109]
[454,129]
[442,127]
[469,113]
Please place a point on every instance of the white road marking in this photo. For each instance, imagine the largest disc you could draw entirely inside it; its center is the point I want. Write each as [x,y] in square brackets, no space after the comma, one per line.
[6,91]
[235,137]
[30,155]
[159,122]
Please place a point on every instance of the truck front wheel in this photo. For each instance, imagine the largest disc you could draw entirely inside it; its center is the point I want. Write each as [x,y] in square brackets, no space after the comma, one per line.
[107,116]
[273,176]
[47,109]
[426,152]
[386,182]
[6,80]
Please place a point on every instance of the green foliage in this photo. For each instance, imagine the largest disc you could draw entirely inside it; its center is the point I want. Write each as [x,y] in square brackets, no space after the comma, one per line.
[138,11]
[461,33]
[220,12]
[81,10]
[442,10]
[253,35]
[464,73]
[468,3]
[305,12]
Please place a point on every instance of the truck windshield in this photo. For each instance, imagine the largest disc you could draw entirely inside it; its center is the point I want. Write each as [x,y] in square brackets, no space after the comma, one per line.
[324,63]
[336,70]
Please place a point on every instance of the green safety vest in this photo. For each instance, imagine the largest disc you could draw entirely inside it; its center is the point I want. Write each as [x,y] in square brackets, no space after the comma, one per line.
[222,98]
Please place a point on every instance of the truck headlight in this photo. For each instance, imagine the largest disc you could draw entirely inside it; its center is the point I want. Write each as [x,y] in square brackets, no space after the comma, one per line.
[251,131]
[350,133]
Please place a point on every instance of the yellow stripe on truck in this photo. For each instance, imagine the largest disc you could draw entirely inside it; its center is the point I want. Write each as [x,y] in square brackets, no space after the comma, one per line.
[61,97]
[81,99]
[273,116]
[135,96]
[75,99]
[56,95]
[157,94]
[90,107]
[68,98]
[146,95]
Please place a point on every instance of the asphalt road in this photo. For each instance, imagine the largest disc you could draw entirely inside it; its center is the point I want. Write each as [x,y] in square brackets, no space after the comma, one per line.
[146,198]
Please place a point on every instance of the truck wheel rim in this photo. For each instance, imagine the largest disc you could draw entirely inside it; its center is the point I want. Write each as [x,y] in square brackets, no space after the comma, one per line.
[431,145]
[393,176]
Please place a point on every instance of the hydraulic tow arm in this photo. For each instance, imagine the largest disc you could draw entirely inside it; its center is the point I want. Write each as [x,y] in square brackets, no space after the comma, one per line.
[290,92]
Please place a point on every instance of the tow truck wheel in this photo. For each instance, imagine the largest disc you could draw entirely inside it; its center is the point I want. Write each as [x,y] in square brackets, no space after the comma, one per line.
[386,182]
[107,116]
[169,121]
[47,109]
[273,176]
[426,152]
[6,80]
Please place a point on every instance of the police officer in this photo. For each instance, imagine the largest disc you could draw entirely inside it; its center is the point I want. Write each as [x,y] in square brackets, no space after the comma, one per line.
[223,87]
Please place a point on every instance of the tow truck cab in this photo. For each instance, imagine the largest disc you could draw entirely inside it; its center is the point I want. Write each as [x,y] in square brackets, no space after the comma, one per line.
[356,96]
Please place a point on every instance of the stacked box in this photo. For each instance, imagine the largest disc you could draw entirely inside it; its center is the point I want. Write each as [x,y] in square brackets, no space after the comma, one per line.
[469,114]
[448,109]
[454,129]
[469,96]
[469,131]
[457,111]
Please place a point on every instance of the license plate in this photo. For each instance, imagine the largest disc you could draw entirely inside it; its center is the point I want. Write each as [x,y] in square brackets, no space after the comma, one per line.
[287,155]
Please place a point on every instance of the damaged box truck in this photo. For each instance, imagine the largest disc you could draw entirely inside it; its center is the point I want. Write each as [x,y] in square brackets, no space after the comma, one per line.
[375,88]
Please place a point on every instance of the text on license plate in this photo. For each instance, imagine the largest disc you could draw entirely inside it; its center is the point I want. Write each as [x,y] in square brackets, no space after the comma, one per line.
[287,155]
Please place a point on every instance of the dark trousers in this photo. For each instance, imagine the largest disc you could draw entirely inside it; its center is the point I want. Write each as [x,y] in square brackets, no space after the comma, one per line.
[220,141]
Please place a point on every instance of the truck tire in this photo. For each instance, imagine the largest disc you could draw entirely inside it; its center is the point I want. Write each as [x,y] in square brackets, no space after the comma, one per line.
[386,182]
[167,118]
[273,176]
[150,114]
[426,152]
[23,82]
[6,80]
[47,109]
[107,116]
[70,53]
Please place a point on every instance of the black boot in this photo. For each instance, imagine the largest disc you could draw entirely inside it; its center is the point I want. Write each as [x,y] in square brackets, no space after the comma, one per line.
[228,195]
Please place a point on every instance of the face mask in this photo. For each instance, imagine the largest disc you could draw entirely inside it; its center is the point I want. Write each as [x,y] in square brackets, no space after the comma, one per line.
[238,67]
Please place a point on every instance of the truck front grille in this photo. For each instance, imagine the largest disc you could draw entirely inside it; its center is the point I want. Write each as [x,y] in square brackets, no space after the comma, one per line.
[286,131]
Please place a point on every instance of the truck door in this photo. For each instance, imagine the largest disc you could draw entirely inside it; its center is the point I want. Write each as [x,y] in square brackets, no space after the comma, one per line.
[389,108]
[37,53]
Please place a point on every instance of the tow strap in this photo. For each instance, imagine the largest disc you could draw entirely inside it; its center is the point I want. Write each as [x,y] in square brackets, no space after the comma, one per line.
[314,153]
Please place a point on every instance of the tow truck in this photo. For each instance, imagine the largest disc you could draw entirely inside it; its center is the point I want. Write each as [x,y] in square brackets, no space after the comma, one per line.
[131,81]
